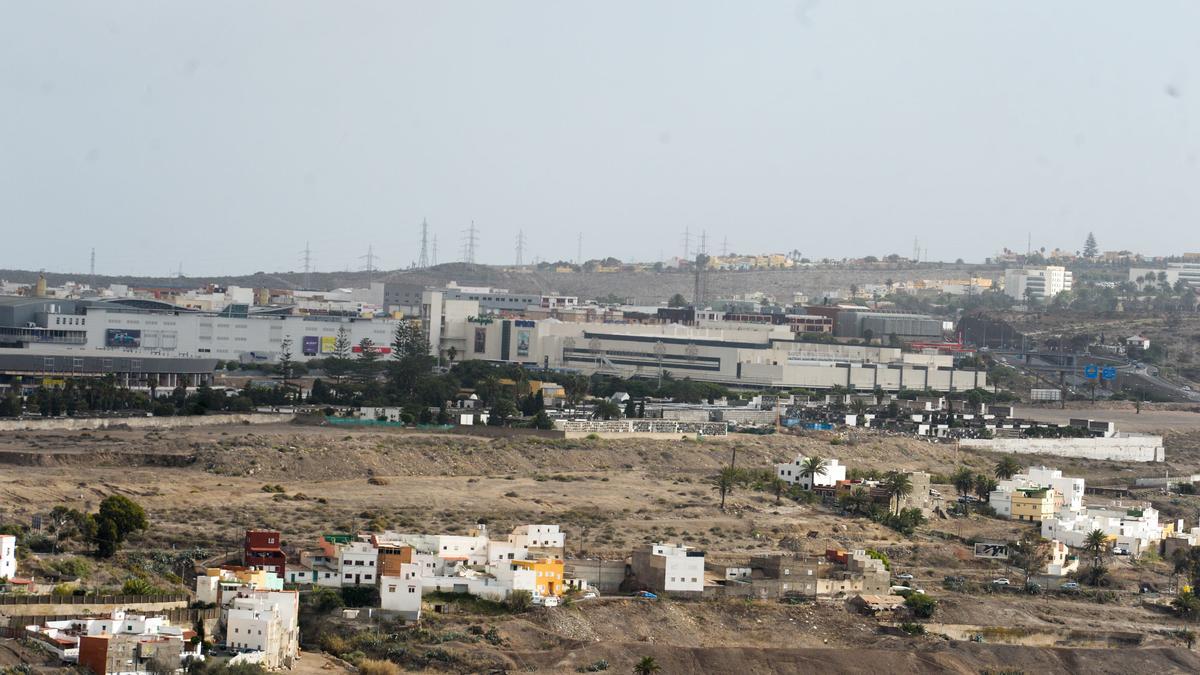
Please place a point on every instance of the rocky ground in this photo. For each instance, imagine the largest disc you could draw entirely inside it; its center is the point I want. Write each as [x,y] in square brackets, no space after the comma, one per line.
[204,486]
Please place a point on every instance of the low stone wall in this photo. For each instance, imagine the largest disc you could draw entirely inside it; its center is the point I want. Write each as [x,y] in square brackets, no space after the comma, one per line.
[1121,448]
[92,423]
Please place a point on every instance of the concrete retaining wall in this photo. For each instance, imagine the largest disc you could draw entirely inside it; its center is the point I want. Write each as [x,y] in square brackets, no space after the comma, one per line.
[640,428]
[78,609]
[1120,448]
[89,423]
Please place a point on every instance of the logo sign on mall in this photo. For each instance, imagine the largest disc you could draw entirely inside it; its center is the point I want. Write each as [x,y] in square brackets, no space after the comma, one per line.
[991,550]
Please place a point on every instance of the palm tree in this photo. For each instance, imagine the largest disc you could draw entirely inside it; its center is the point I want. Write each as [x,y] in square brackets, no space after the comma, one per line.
[778,486]
[812,467]
[1007,467]
[647,666]
[725,481]
[899,486]
[451,354]
[964,480]
[984,486]
[1096,543]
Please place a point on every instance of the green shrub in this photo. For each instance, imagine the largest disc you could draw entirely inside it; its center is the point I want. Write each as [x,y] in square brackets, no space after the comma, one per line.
[922,605]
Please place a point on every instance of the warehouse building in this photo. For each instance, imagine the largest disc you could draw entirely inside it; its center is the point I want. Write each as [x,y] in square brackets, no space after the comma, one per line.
[740,354]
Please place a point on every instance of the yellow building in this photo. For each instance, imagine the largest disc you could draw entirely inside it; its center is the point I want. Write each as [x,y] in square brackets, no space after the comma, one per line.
[548,573]
[1035,505]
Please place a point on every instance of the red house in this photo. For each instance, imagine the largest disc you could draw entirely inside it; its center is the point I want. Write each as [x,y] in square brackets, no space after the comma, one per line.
[264,548]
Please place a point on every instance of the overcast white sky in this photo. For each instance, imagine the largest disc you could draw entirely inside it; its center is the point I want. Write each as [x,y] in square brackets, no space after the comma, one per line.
[223,135]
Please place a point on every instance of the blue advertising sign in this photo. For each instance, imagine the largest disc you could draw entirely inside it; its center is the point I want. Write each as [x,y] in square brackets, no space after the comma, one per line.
[1109,373]
[1090,371]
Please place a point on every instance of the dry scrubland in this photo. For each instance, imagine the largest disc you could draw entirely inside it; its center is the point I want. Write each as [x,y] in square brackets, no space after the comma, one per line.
[204,486]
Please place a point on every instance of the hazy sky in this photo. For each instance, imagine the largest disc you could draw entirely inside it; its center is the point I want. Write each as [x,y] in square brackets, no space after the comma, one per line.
[223,135]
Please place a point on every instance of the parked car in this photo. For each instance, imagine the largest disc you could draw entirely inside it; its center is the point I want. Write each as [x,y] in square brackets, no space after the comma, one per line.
[1001,582]
[1117,550]
[1069,586]
[906,576]
[900,589]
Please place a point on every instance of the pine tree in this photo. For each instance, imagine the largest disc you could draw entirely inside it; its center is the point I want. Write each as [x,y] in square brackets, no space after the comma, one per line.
[1089,247]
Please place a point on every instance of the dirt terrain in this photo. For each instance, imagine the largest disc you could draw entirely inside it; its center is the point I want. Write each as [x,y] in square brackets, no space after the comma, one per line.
[204,486]
[640,287]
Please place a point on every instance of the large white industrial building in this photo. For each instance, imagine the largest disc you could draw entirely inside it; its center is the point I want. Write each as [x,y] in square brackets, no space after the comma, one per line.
[1038,283]
[735,354]
[144,327]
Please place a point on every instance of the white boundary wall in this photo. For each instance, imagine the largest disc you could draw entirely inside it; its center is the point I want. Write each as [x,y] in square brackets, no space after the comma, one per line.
[87,423]
[1132,448]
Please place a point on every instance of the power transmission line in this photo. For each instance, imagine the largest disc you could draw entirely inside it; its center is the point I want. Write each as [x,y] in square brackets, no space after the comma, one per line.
[307,266]
[469,244]
[435,249]
[423,261]
[370,258]
[520,248]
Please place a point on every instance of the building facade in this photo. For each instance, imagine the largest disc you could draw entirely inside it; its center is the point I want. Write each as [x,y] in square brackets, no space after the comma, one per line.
[1037,283]
[669,568]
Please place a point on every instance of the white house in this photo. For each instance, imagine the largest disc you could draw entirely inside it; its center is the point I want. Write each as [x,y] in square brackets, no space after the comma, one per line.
[1070,489]
[61,637]
[1137,342]
[8,556]
[1134,529]
[670,568]
[357,563]
[266,622]
[543,540]
[793,473]
[402,594]
[1062,561]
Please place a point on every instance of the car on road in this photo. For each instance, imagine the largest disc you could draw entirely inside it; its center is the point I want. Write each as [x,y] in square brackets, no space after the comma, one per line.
[1069,586]
[1001,582]
[906,576]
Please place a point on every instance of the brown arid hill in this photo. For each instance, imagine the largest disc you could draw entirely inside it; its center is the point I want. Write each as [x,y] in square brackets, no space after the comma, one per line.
[638,287]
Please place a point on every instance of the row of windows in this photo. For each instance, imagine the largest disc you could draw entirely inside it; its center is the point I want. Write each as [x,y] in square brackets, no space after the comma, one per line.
[366,577]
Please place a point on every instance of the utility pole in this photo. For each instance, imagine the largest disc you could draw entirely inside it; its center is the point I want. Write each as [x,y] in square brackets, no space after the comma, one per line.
[423,261]
[307,266]
[92,268]
[520,248]
[704,241]
[469,244]
[725,247]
